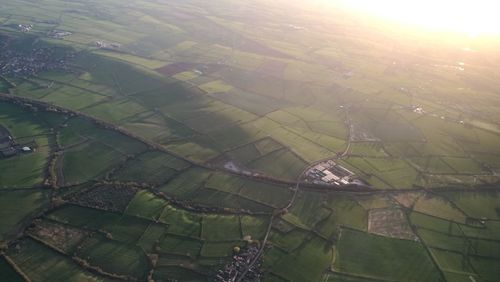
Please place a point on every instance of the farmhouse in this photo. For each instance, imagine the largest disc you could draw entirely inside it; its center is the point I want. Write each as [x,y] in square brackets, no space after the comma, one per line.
[9,148]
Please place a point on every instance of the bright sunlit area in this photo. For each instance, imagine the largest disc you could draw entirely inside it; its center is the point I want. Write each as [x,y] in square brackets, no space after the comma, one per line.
[474,18]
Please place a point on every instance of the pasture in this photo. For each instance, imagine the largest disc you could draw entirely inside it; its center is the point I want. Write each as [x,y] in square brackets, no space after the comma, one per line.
[389,258]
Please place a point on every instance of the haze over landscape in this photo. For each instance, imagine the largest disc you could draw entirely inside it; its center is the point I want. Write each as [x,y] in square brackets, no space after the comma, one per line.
[474,18]
[250,140]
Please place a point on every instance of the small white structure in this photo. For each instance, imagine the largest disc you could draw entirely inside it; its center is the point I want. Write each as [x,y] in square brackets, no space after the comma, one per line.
[26,149]
[344,181]
[328,178]
[320,167]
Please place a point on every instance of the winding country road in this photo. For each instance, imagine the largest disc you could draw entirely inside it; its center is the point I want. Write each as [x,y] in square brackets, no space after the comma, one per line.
[294,196]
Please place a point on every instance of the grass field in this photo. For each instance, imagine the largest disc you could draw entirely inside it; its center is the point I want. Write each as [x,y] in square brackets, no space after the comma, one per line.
[151,236]
[313,258]
[83,217]
[439,207]
[478,205]
[92,151]
[115,257]
[302,215]
[346,212]
[255,227]
[88,161]
[182,222]
[289,241]
[173,244]
[127,229]
[389,258]
[219,228]
[17,207]
[24,170]
[8,273]
[219,249]
[145,205]
[41,263]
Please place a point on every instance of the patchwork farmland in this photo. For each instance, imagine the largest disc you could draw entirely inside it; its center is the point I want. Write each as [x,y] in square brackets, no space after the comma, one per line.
[241,141]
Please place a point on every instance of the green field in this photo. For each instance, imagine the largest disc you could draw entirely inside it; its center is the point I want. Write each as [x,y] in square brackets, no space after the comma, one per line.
[172,244]
[145,205]
[88,161]
[181,222]
[313,259]
[7,272]
[24,170]
[219,228]
[114,257]
[41,263]
[151,167]
[17,207]
[382,258]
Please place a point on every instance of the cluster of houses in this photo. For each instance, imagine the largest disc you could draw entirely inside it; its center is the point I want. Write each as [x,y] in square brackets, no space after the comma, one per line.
[25,27]
[240,263]
[25,64]
[9,148]
[329,172]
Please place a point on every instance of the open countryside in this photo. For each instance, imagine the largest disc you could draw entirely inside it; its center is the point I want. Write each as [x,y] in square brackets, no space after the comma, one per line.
[243,141]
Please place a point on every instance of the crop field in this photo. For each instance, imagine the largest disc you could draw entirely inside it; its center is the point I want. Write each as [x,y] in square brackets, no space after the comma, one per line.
[159,140]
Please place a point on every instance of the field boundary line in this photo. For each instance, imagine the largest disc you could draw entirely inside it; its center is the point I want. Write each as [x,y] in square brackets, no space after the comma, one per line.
[16,268]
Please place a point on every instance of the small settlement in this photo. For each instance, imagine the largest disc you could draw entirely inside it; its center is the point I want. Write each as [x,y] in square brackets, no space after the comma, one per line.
[21,65]
[242,263]
[29,62]
[25,27]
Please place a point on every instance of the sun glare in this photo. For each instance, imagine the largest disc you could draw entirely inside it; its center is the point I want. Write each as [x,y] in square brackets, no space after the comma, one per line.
[475,18]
